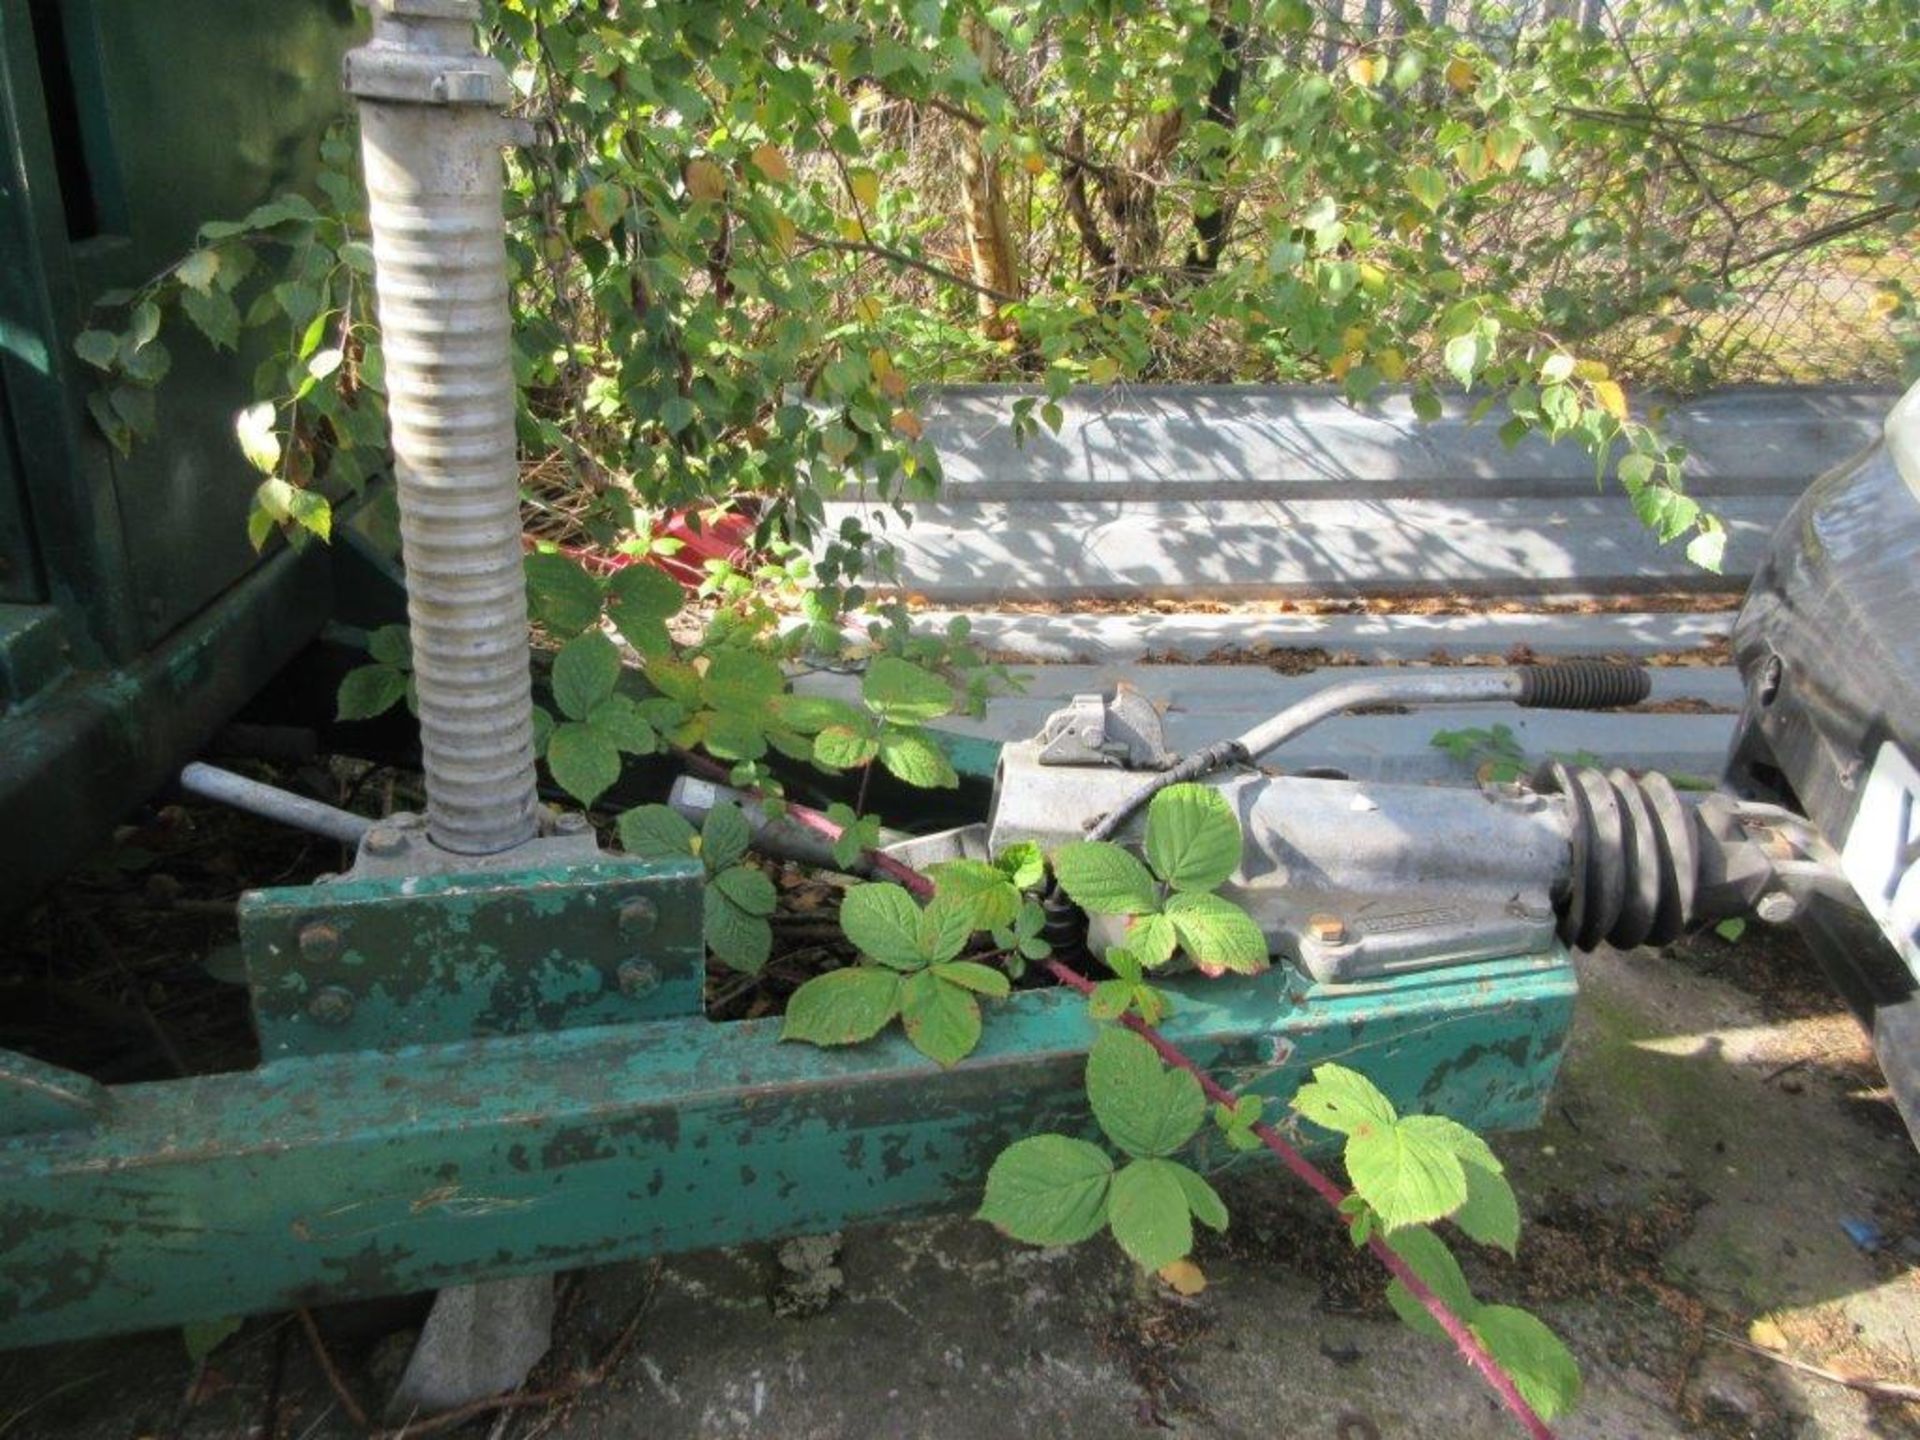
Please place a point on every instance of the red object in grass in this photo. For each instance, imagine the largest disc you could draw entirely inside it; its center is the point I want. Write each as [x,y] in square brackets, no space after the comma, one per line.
[724,536]
[727,537]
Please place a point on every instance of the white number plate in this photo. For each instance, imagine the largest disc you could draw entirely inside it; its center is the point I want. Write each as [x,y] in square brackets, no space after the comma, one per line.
[1882,854]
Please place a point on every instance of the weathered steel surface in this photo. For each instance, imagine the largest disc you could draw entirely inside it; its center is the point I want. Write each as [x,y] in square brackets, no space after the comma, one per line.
[99,741]
[357,1175]
[377,964]
[37,1097]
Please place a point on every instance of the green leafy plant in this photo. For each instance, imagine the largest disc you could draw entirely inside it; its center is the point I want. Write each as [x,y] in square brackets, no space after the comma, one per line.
[993,893]
[1495,753]
[374,689]
[739,897]
[899,698]
[289,287]
[1193,844]
[1410,1172]
[911,972]
[1057,1190]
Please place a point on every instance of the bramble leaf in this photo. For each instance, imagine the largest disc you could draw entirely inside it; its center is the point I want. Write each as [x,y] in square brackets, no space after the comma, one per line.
[391,645]
[990,899]
[1193,837]
[971,975]
[1146,1108]
[1148,1213]
[561,596]
[742,681]
[1151,939]
[724,837]
[584,673]
[917,760]
[842,1007]
[901,692]
[370,690]
[618,718]
[1103,879]
[1023,864]
[1218,934]
[941,1018]
[1406,1173]
[583,761]
[840,747]
[943,929]
[883,922]
[643,592]
[1202,1199]
[1343,1101]
[1543,1369]
[749,889]
[656,832]
[810,714]
[1048,1190]
[1490,1215]
[1431,1259]
[740,939]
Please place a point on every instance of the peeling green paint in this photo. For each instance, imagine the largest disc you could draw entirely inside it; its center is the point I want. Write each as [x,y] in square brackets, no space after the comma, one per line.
[366,1173]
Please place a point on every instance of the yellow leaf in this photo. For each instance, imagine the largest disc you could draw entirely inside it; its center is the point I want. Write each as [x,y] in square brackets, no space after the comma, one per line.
[1103,369]
[865,186]
[1591,370]
[1470,156]
[1355,338]
[893,385]
[880,362]
[1342,364]
[705,180]
[1460,76]
[1505,146]
[850,228]
[868,309]
[772,164]
[1034,162]
[603,204]
[785,232]
[1393,365]
[1611,397]
[1767,1335]
[1366,69]
[1184,1276]
[908,424]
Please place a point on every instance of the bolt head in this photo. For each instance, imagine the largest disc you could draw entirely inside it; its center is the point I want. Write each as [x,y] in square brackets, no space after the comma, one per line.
[638,917]
[1327,929]
[319,943]
[637,979]
[385,840]
[331,1005]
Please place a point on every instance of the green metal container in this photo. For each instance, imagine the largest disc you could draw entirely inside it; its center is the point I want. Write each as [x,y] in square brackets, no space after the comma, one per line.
[134,615]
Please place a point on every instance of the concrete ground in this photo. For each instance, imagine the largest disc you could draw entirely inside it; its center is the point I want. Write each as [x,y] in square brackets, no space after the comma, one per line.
[1717,1134]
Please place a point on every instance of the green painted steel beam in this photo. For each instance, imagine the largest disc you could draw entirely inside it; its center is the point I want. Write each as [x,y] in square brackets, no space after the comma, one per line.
[374,964]
[91,746]
[364,1174]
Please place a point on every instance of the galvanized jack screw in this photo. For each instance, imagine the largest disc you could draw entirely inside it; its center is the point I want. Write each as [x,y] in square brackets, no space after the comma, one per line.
[431,129]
